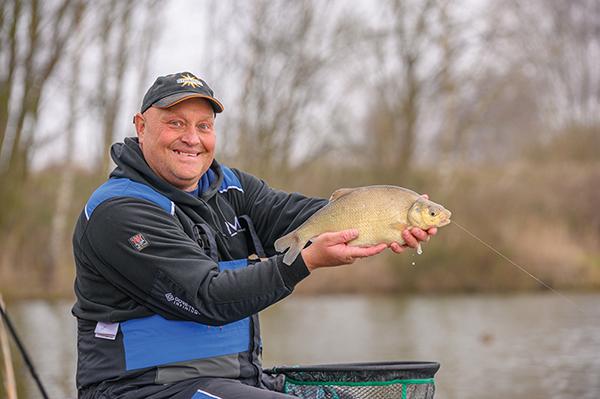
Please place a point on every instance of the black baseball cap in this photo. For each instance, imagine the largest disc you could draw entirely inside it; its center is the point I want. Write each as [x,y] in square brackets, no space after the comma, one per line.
[172,89]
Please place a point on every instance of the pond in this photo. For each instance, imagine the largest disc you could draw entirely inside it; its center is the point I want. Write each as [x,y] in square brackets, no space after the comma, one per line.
[529,346]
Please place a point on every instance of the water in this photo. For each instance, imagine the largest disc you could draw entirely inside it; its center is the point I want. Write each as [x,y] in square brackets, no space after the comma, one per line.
[528,346]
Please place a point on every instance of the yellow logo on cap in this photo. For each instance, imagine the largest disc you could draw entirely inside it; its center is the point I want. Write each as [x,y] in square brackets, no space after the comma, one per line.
[189,80]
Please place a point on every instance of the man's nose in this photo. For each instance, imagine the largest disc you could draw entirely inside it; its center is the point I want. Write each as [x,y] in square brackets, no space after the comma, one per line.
[190,137]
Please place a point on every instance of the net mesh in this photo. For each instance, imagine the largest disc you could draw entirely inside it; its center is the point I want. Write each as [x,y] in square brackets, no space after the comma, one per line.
[399,380]
[416,389]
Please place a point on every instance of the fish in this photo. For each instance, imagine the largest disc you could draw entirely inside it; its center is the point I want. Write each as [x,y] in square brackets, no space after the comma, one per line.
[380,213]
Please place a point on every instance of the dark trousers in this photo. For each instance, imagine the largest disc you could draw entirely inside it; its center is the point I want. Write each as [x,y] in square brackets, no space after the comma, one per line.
[223,388]
[196,388]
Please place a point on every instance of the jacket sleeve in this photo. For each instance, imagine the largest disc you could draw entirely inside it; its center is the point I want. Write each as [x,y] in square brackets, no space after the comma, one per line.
[170,274]
[274,212]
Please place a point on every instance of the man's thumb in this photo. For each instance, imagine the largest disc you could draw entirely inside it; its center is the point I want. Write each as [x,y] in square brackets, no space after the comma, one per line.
[343,236]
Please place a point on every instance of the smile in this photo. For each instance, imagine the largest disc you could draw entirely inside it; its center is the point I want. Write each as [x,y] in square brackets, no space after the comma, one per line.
[187,154]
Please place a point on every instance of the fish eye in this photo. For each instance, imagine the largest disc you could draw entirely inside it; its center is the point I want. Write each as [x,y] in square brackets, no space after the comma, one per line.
[432,213]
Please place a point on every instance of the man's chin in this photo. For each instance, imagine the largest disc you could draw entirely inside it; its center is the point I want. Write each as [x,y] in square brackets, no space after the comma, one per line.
[187,181]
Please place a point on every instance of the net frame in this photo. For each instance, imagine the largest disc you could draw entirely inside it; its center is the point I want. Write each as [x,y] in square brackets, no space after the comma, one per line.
[373,374]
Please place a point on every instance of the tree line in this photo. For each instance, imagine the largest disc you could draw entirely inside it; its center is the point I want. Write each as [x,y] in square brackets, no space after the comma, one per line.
[438,95]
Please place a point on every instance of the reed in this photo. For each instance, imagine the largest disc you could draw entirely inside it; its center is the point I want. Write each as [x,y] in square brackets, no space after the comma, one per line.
[10,385]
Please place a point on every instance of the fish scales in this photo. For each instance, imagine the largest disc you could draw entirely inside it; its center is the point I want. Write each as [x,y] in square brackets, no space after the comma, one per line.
[369,211]
[379,213]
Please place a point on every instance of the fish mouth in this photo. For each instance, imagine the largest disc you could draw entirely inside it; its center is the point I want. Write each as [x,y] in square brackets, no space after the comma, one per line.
[445,222]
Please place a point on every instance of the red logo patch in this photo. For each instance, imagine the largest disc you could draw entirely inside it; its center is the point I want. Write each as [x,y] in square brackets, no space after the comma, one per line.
[138,241]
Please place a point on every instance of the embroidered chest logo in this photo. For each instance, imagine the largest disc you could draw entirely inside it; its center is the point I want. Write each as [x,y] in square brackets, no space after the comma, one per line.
[138,241]
[234,228]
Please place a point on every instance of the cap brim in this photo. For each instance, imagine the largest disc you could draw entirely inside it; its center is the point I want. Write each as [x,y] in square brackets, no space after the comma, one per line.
[176,98]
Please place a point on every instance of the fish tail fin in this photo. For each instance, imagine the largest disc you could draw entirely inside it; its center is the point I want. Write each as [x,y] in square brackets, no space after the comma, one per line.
[291,241]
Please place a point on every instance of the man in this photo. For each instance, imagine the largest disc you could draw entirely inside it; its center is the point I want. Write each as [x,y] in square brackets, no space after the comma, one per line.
[175,258]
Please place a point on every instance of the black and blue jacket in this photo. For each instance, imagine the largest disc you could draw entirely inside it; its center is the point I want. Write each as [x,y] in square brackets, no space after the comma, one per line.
[169,284]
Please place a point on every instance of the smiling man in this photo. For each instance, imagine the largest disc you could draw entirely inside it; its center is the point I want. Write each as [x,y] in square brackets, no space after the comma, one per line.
[178,143]
[174,259]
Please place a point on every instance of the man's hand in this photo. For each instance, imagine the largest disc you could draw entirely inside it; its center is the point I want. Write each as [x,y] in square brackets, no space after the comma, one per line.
[332,249]
[412,238]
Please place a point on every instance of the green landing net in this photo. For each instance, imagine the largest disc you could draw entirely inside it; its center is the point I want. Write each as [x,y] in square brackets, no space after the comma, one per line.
[392,380]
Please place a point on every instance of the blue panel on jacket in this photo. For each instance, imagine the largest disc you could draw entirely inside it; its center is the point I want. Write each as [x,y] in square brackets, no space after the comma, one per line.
[230,181]
[233,264]
[200,394]
[153,341]
[127,188]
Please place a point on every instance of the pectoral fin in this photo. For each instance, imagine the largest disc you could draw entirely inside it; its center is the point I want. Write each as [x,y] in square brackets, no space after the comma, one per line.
[340,193]
[398,226]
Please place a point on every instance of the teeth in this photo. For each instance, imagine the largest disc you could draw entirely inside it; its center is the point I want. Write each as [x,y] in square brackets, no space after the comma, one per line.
[186,153]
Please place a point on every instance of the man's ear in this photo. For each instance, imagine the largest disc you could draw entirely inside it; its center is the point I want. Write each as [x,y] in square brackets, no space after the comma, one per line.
[140,126]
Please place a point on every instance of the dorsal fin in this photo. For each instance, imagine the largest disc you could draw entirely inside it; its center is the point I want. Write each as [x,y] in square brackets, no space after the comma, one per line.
[340,193]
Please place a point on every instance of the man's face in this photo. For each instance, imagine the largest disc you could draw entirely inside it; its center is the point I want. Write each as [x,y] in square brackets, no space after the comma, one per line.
[178,142]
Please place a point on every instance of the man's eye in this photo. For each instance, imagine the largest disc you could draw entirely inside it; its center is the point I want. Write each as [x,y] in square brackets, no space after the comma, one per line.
[176,123]
[204,126]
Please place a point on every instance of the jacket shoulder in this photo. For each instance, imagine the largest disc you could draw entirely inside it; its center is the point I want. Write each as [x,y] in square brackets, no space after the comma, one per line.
[231,181]
[121,187]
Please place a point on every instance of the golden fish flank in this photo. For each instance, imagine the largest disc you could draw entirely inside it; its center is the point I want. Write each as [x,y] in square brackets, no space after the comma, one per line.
[379,213]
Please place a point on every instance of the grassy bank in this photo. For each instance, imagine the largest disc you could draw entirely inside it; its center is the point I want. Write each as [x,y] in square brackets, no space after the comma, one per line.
[543,216]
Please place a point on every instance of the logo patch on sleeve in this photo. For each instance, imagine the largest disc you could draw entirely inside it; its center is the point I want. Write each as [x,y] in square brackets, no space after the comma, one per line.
[138,241]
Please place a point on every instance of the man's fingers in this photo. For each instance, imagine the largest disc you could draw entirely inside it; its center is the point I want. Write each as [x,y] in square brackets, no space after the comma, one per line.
[409,239]
[363,252]
[339,237]
[419,234]
[397,248]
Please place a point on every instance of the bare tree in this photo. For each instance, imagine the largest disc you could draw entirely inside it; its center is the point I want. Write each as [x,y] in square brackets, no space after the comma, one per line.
[547,53]
[487,106]
[461,93]
[65,189]
[34,38]
[561,44]
[10,15]
[48,32]
[115,53]
[110,95]
[446,89]
[284,53]
[45,46]
[149,32]
[402,43]
[121,48]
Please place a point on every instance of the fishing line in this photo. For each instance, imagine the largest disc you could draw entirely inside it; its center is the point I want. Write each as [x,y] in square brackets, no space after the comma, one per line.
[521,268]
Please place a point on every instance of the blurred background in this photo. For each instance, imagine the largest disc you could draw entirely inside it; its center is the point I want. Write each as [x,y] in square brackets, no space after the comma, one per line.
[492,107]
